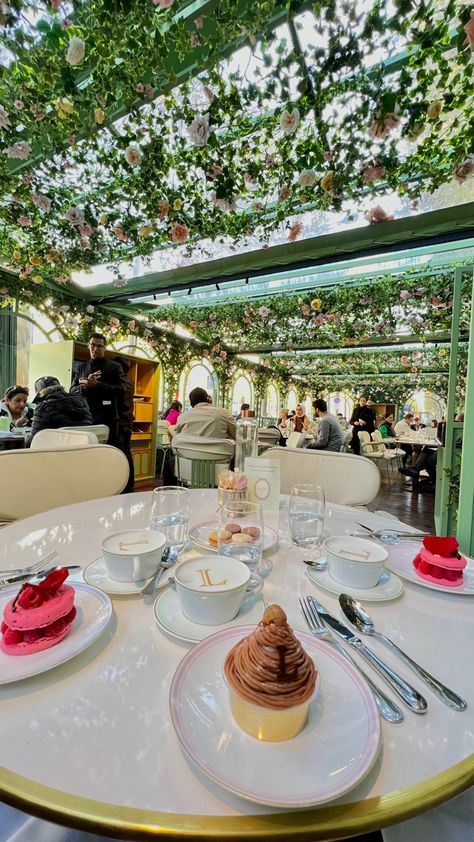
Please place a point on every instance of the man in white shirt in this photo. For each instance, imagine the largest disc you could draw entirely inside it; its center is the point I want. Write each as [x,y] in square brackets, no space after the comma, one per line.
[204,419]
[402,428]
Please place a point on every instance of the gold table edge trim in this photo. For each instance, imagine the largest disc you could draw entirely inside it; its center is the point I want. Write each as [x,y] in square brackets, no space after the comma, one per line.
[326,822]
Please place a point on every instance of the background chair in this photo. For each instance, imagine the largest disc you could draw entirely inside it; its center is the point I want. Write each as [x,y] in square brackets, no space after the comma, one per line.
[163,442]
[346,479]
[373,451]
[267,437]
[100,430]
[62,438]
[199,460]
[34,481]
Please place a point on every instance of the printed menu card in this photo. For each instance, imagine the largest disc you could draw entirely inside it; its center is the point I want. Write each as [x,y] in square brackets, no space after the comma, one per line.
[263,477]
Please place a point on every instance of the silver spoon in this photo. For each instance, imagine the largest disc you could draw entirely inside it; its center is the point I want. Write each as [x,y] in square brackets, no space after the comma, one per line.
[358,616]
[170,554]
[316,564]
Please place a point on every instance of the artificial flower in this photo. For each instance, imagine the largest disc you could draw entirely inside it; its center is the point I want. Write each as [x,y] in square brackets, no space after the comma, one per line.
[383,124]
[327,182]
[75,51]
[289,120]
[465,170]
[103,219]
[208,92]
[43,203]
[131,325]
[20,150]
[90,308]
[119,232]
[199,22]
[377,214]
[35,260]
[24,221]
[145,231]
[119,282]
[37,279]
[415,131]
[294,232]
[4,118]
[442,352]
[114,323]
[372,172]
[307,178]
[133,155]
[223,355]
[99,116]
[199,130]
[195,41]
[86,230]
[193,323]
[75,216]
[163,4]
[469,30]
[19,104]
[434,109]
[177,204]
[164,208]
[404,295]
[316,304]
[64,107]
[284,193]
[16,255]
[179,232]
[405,360]
[264,312]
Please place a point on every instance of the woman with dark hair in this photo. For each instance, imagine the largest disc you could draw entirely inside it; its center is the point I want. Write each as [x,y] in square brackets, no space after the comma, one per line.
[362,418]
[173,412]
[386,428]
[15,407]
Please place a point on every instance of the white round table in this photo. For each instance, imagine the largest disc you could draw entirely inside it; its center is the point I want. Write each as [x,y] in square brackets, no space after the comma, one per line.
[90,744]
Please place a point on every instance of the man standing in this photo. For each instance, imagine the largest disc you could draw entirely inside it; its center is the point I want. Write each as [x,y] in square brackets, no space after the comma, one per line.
[206,420]
[362,419]
[329,429]
[101,382]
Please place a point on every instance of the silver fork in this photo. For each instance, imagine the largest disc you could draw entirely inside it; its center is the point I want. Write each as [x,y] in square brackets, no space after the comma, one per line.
[387,709]
[6,575]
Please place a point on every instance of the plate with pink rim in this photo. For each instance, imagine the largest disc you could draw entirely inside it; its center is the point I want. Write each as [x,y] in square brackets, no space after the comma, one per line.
[199,535]
[400,561]
[335,750]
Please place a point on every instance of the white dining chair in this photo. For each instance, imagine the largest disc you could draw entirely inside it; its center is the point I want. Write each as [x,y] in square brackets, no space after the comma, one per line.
[200,460]
[62,438]
[100,430]
[34,481]
[346,479]
[267,437]
[163,442]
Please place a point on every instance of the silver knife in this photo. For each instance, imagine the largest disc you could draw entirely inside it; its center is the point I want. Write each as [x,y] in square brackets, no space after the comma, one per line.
[407,693]
[41,574]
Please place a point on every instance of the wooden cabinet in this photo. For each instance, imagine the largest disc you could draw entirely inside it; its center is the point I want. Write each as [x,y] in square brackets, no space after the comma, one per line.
[382,409]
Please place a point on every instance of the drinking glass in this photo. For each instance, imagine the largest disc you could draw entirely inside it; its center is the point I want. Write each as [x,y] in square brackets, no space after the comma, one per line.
[246,516]
[170,514]
[306,516]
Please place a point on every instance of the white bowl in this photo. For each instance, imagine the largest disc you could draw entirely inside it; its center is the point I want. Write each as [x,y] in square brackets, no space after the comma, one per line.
[355,562]
[133,554]
[211,588]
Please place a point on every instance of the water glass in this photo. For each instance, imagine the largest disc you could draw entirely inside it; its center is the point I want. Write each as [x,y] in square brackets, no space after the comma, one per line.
[245,519]
[170,514]
[306,515]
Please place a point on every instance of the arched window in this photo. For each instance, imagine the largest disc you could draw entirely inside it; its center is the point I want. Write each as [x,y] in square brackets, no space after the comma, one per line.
[242,392]
[292,399]
[271,402]
[197,374]
[341,402]
[426,405]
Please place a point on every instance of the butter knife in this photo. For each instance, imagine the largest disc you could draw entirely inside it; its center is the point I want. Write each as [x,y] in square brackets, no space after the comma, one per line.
[407,693]
[30,577]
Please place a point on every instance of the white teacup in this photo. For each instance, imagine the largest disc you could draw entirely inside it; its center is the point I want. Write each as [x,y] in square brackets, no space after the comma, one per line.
[355,562]
[211,588]
[133,555]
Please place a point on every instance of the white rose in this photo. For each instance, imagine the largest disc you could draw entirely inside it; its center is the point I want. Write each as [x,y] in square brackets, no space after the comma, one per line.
[4,118]
[75,51]
[307,178]
[41,202]
[133,155]
[199,130]
[21,150]
[289,121]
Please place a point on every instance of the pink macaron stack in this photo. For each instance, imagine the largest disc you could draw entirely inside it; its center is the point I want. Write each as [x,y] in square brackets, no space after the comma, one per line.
[39,616]
[439,561]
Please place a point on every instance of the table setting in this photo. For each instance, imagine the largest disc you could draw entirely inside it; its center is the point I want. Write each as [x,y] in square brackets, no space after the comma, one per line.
[157,612]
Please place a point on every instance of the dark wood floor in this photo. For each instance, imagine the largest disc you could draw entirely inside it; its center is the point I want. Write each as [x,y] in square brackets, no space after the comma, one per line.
[413,509]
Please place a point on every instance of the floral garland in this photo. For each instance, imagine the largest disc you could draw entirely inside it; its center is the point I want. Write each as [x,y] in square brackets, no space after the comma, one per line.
[215,158]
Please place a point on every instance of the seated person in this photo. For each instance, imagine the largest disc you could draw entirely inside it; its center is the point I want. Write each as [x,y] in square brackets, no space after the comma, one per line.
[204,419]
[426,461]
[417,425]
[344,423]
[15,407]
[173,412]
[283,425]
[329,429]
[244,411]
[386,427]
[57,408]
[402,428]
[301,423]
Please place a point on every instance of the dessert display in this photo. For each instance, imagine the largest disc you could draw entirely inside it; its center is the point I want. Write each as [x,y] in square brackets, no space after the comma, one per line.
[234,534]
[439,561]
[271,679]
[39,616]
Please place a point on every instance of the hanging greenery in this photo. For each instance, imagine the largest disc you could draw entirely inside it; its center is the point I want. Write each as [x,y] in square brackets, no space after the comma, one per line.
[225,155]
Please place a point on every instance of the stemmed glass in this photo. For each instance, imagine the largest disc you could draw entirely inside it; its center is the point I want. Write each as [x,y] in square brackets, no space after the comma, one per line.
[170,514]
[246,519]
[306,516]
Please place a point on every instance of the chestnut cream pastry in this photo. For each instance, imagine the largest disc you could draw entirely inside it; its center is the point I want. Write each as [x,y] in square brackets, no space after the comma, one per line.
[271,679]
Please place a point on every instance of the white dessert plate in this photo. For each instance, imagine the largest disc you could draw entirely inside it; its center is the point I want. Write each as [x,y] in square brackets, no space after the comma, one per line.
[170,618]
[400,560]
[199,534]
[94,610]
[388,587]
[334,751]
[96,574]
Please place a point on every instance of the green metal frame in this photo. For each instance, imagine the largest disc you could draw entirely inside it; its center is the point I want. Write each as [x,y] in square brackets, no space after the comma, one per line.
[203,471]
[465,530]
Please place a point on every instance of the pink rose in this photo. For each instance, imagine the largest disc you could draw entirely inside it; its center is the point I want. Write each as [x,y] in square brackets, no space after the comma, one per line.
[404,295]
[194,39]
[164,208]
[85,230]
[295,231]
[179,232]
[465,170]
[193,323]
[469,30]
[223,355]
[372,173]
[284,193]
[199,22]
[377,214]
[163,4]
[405,360]
[24,221]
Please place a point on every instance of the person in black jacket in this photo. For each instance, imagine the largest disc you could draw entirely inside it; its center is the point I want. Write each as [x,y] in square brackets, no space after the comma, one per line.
[101,382]
[57,408]
[363,418]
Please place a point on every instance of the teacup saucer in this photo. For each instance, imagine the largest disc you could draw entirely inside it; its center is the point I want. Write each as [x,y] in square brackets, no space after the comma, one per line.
[388,587]
[96,574]
[170,618]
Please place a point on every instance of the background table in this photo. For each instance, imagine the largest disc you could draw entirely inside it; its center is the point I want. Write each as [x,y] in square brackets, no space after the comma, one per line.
[91,744]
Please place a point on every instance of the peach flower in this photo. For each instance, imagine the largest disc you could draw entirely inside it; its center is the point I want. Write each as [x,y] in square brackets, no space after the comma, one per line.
[179,232]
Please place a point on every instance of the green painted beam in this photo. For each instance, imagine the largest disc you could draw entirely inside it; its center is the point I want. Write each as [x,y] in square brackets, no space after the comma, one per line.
[370,239]
[465,529]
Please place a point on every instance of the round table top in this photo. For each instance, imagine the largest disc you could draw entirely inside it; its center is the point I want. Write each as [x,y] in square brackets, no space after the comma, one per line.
[91,743]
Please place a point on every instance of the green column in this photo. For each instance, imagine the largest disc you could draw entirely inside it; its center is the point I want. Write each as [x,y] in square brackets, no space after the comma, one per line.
[465,532]
[8,339]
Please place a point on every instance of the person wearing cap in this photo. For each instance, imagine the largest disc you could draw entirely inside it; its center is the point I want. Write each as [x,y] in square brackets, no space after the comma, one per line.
[102,383]
[57,408]
[15,407]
